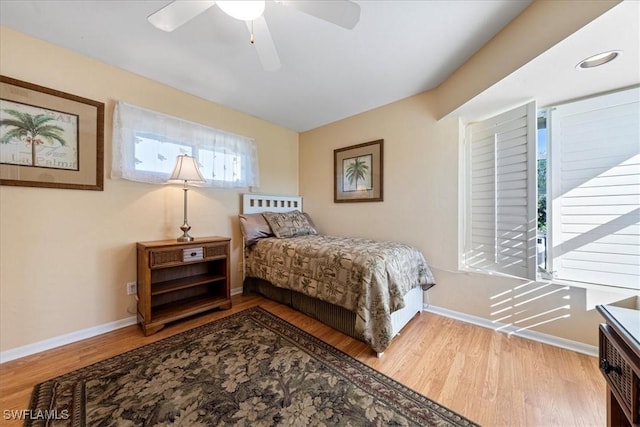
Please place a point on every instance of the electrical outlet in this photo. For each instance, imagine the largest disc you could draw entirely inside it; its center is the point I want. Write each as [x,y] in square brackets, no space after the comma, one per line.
[132,288]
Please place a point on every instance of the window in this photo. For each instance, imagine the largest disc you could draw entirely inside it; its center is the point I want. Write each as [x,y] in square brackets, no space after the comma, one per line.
[501,228]
[541,242]
[220,166]
[583,179]
[146,144]
[595,190]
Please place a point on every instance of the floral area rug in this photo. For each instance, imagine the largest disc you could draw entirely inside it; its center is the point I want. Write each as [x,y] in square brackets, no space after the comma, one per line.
[248,369]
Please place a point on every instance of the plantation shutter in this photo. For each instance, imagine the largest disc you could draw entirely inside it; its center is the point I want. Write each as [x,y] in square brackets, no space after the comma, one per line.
[595,166]
[501,221]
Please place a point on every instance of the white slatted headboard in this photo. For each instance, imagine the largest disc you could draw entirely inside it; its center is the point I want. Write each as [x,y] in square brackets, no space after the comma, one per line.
[258,203]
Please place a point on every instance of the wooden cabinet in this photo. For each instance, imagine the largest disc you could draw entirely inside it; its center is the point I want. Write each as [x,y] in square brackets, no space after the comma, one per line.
[620,364]
[179,279]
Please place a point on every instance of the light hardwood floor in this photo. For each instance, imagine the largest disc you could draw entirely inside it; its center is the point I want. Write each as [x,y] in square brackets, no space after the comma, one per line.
[490,377]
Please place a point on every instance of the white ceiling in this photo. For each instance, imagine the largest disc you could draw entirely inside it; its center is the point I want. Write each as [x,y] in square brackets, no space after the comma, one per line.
[552,79]
[398,49]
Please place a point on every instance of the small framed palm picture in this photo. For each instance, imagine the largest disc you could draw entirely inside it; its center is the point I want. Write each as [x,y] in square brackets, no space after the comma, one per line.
[358,173]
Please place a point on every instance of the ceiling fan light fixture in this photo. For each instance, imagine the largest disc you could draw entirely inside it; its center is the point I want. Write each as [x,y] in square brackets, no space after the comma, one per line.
[599,59]
[243,10]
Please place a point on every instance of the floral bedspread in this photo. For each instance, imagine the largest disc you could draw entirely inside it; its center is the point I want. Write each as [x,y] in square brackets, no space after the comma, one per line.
[367,277]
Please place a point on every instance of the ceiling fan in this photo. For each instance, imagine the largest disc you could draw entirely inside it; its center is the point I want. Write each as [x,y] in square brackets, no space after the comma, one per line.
[343,13]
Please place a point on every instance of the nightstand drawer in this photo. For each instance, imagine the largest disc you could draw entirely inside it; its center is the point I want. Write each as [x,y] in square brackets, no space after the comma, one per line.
[167,257]
[158,258]
[615,368]
[192,254]
[215,251]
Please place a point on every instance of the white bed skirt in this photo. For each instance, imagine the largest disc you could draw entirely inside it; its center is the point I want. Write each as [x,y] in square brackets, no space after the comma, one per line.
[412,305]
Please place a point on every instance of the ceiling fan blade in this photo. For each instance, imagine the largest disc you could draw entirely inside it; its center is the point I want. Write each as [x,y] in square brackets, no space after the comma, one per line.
[177,13]
[264,45]
[343,13]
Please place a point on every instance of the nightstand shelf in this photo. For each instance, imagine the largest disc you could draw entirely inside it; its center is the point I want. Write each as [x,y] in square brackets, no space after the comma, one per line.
[180,279]
[173,311]
[177,284]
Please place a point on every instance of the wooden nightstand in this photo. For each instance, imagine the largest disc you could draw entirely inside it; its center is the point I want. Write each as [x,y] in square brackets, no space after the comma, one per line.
[620,364]
[180,279]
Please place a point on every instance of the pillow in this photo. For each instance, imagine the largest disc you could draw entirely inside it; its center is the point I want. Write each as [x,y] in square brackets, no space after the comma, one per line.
[254,227]
[289,224]
[310,221]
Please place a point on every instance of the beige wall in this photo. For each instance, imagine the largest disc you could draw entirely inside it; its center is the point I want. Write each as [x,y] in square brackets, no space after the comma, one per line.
[421,207]
[65,255]
[422,188]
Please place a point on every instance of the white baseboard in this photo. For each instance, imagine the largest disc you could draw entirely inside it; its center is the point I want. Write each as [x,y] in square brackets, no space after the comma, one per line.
[69,338]
[576,346]
[48,344]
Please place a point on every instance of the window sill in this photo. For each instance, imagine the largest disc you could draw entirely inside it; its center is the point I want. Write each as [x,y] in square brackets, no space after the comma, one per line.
[622,292]
[626,292]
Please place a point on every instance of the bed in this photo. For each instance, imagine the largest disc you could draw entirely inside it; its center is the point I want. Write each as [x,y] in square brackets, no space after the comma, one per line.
[368,289]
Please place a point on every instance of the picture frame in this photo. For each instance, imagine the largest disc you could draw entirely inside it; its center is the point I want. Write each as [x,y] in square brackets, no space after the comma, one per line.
[358,173]
[50,138]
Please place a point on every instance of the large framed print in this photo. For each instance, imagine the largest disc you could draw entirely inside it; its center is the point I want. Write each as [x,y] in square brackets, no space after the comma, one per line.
[358,173]
[50,138]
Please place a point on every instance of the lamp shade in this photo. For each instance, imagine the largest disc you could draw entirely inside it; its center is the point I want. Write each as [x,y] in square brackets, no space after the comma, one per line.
[186,169]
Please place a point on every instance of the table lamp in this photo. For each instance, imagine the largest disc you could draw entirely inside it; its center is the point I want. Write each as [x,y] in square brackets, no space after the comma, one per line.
[186,170]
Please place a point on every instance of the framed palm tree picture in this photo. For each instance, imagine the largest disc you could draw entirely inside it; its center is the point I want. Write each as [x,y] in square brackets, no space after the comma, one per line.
[358,173]
[49,138]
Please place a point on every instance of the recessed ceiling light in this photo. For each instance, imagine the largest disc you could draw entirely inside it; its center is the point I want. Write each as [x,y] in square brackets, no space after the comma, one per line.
[599,59]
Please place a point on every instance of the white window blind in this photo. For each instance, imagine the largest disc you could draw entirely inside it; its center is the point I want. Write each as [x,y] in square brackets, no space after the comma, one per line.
[146,143]
[501,193]
[595,190]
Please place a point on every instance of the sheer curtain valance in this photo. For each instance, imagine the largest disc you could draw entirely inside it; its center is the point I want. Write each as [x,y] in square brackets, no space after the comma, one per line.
[146,143]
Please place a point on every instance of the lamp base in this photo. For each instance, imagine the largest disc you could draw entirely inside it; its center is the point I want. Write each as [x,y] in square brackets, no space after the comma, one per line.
[185,233]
